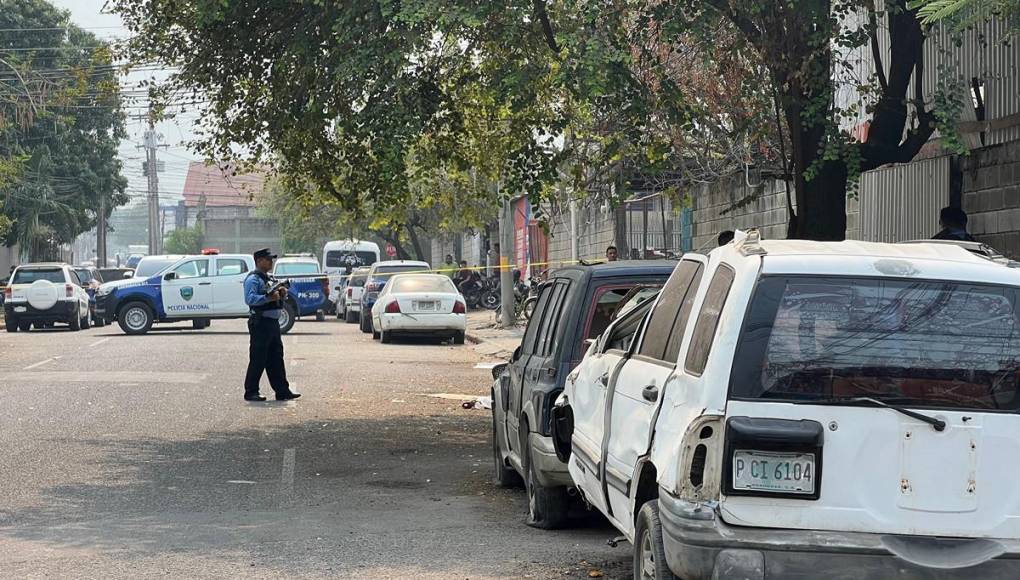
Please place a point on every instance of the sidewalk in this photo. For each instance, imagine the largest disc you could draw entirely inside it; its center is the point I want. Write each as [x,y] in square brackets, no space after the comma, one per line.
[489,339]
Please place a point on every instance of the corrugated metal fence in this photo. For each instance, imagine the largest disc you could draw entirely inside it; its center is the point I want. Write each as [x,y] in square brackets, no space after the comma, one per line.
[902,202]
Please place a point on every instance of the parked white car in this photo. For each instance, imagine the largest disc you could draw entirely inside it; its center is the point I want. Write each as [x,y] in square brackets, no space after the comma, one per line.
[348,297]
[795,409]
[44,294]
[419,305]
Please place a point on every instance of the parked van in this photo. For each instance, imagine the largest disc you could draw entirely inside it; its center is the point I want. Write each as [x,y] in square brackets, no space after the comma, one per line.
[341,257]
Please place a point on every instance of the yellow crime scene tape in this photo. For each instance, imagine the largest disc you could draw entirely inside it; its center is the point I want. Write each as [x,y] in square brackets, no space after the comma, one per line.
[503,265]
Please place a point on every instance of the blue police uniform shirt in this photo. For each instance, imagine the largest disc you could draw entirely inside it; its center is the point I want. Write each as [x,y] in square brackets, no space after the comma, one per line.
[255,295]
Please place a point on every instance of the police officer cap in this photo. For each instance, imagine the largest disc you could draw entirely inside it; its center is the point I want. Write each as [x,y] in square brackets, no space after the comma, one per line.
[264,253]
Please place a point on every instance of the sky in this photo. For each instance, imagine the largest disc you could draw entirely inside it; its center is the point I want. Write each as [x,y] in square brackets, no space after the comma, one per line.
[89,15]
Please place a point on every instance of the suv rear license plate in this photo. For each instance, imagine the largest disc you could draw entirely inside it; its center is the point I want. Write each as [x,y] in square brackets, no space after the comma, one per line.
[426,306]
[772,471]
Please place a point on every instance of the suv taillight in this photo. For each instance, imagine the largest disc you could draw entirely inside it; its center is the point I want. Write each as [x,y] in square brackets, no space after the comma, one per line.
[393,308]
[459,308]
[8,293]
[69,289]
[350,292]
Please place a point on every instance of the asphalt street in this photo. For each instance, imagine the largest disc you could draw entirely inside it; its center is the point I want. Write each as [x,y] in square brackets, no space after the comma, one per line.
[136,457]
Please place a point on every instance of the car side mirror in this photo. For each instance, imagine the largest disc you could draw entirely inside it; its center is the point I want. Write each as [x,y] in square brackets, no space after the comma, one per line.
[170,276]
[516,355]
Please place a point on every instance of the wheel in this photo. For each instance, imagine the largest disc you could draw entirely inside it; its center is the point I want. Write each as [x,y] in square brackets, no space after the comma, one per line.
[135,318]
[350,317]
[288,315]
[529,307]
[547,506]
[12,326]
[459,337]
[199,324]
[320,316]
[504,475]
[385,337]
[24,326]
[490,300]
[75,323]
[364,323]
[649,554]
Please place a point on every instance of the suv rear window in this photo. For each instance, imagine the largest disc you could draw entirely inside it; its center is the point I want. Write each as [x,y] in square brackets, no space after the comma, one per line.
[926,343]
[342,258]
[29,275]
[296,268]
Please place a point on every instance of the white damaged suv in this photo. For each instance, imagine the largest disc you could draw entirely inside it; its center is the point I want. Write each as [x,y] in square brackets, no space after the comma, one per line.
[795,409]
[43,294]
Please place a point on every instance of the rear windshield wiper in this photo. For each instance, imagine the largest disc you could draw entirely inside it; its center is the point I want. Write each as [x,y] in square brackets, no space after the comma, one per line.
[937,424]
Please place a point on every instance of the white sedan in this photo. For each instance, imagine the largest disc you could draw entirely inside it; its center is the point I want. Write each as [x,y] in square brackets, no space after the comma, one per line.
[419,305]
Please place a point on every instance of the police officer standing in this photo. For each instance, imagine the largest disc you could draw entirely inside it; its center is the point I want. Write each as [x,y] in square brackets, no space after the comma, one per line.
[265,351]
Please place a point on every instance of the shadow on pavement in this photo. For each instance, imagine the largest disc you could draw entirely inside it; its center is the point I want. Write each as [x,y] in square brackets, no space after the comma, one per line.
[395,495]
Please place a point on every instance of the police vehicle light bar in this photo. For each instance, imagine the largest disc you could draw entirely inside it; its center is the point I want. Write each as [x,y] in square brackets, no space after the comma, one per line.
[210,251]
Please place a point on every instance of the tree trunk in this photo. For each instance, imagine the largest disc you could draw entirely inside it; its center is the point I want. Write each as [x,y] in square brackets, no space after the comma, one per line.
[416,243]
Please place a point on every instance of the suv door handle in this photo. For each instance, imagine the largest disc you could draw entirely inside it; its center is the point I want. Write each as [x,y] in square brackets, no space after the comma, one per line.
[650,393]
[204,283]
[604,379]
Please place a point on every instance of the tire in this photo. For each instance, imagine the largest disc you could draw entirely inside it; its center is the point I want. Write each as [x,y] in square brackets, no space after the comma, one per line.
[489,300]
[288,315]
[363,324]
[75,323]
[87,322]
[350,317]
[385,337]
[529,307]
[547,506]
[649,554]
[503,475]
[199,324]
[320,316]
[458,338]
[12,326]
[135,318]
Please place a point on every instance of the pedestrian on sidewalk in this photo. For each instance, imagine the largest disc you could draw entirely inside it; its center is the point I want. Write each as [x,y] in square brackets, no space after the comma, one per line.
[954,225]
[265,348]
[448,267]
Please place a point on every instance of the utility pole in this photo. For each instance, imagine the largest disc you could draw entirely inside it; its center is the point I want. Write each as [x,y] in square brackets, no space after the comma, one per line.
[506,272]
[101,231]
[151,169]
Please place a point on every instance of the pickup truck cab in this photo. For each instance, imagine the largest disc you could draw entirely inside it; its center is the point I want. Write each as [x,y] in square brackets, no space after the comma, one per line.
[43,294]
[803,409]
[574,306]
[304,269]
[198,289]
[348,305]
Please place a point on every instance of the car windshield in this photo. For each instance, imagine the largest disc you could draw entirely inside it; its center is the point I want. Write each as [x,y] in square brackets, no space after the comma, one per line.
[85,275]
[423,283]
[152,266]
[384,273]
[291,268]
[109,274]
[29,275]
[342,258]
[926,343]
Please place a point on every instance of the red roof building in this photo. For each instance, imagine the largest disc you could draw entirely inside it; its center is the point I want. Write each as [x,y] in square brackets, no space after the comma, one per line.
[221,186]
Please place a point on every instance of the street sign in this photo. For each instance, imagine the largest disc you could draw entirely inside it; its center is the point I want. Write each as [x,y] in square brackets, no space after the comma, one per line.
[390,250]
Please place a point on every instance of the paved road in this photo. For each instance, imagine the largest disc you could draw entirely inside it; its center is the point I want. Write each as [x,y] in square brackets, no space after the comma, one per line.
[133,457]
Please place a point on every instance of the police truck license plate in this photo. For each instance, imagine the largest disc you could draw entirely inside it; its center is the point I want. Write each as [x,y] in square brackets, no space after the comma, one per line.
[771,471]
[426,305]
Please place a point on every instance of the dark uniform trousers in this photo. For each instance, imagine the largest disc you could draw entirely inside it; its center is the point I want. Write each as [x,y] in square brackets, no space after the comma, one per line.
[265,353]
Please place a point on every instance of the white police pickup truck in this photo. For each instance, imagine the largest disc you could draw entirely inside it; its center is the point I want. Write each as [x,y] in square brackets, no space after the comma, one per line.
[197,289]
